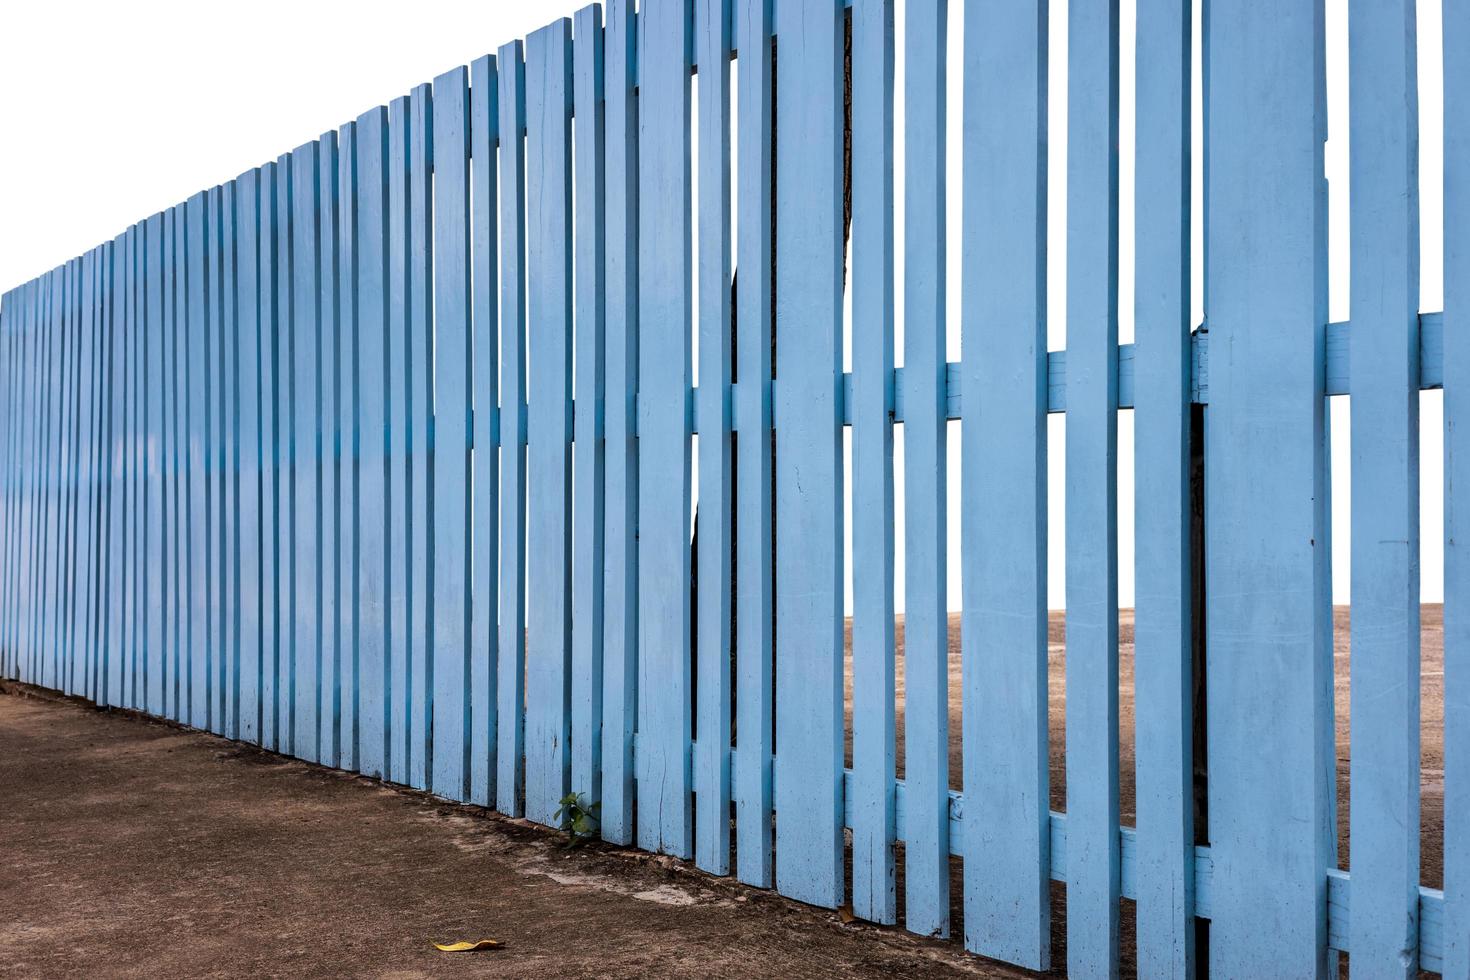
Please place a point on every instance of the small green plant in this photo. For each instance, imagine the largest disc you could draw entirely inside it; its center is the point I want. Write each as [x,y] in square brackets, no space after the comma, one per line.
[578,819]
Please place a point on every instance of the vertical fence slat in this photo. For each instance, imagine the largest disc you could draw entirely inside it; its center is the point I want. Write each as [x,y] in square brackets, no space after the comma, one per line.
[1384,371]
[91,443]
[420,440]
[873,810]
[285,438]
[66,480]
[587,570]
[153,347]
[9,306]
[808,394]
[1456,20]
[197,574]
[305,429]
[113,670]
[754,636]
[1004,478]
[510,742]
[229,721]
[926,620]
[271,515]
[1163,630]
[485,431]
[215,500]
[451,408]
[396,402]
[179,485]
[549,422]
[330,505]
[135,596]
[56,467]
[375,714]
[1093,849]
[248,528]
[713,527]
[105,473]
[346,451]
[664,309]
[1269,657]
[620,509]
[168,392]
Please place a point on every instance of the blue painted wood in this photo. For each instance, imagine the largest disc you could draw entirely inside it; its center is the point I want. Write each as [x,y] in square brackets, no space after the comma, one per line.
[270,460]
[154,623]
[587,490]
[284,428]
[808,777]
[1384,685]
[874,895]
[452,366]
[131,349]
[216,643]
[510,686]
[330,505]
[1163,629]
[1093,860]
[35,359]
[1456,28]
[712,28]
[304,427]
[346,451]
[10,312]
[1004,480]
[1269,689]
[248,466]
[620,504]
[112,653]
[420,445]
[664,347]
[168,392]
[65,326]
[373,569]
[926,621]
[548,419]
[47,645]
[196,568]
[484,396]
[396,405]
[228,717]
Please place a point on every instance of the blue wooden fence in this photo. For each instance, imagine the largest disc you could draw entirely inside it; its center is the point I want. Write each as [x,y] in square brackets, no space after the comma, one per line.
[381,455]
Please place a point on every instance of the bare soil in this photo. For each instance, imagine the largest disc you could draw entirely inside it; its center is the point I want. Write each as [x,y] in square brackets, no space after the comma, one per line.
[136,848]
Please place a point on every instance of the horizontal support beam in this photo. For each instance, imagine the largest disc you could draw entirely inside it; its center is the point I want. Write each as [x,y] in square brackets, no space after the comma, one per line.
[1339,883]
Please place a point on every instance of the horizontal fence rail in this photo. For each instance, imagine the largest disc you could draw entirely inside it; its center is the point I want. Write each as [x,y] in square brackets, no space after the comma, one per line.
[383,455]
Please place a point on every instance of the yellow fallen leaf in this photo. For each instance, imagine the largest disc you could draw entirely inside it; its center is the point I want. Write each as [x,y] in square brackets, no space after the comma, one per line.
[468,947]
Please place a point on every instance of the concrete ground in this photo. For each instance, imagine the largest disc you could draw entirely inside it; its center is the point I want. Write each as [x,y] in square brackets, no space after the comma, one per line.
[135,848]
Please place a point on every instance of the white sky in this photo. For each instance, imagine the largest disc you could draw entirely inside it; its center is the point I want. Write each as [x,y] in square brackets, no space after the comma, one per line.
[111,112]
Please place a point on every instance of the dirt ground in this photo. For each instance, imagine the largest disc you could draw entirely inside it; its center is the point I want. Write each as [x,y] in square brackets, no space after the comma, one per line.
[136,848]
[133,847]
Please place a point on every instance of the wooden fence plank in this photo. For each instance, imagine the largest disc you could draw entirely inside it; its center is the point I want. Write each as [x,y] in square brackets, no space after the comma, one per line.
[113,659]
[1093,857]
[346,451]
[215,642]
[809,667]
[9,307]
[396,404]
[1269,694]
[271,514]
[926,621]
[620,507]
[712,644]
[452,365]
[587,510]
[173,280]
[485,431]
[248,465]
[228,718]
[329,504]
[194,363]
[510,690]
[1456,21]
[1004,477]
[65,554]
[874,895]
[419,404]
[548,421]
[154,619]
[375,714]
[1385,499]
[285,423]
[305,428]
[1163,628]
[664,310]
